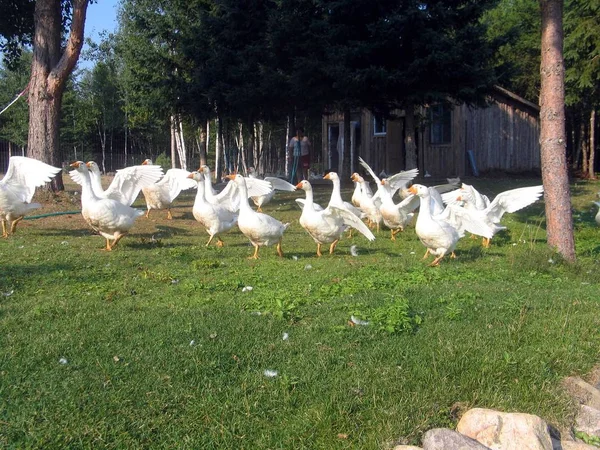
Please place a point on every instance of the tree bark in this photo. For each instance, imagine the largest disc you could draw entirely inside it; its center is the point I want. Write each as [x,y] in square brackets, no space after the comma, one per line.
[50,69]
[410,145]
[591,160]
[202,144]
[559,223]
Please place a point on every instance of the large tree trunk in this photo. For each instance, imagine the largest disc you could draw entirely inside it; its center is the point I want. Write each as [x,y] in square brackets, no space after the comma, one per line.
[410,145]
[50,68]
[202,143]
[559,223]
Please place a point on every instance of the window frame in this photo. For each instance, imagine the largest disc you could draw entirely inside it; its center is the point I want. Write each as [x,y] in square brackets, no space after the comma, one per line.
[440,124]
[379,122]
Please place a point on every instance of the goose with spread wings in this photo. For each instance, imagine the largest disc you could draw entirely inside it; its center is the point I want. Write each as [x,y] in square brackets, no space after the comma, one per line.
[17,188]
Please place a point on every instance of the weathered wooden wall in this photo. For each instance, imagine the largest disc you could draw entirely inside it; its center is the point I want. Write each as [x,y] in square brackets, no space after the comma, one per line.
[503,136]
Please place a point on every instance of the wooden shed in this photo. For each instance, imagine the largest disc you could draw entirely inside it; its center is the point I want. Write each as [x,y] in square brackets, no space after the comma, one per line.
[451,141]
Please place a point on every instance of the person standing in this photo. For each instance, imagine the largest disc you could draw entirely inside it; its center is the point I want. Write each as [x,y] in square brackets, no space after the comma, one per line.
[300,147]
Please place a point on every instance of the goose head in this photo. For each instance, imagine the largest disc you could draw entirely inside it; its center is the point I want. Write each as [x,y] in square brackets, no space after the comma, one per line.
[93,167]
[147,162]
[196,176]
[304,185]
[79,166]
[331,176]
[419,189]
[356,178]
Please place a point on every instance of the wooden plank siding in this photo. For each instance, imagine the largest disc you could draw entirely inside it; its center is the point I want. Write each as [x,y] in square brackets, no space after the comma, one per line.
[503,137]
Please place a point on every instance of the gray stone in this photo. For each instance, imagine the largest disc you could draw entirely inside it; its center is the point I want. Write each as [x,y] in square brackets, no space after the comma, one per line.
[444,439]
[583,392]
[505,431]
[588,420]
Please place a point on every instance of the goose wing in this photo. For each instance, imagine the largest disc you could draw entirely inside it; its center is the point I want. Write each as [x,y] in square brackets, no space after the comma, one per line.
[352,220]
[470,220]
[280,185]
[128,182]
[25,174]
[513,200]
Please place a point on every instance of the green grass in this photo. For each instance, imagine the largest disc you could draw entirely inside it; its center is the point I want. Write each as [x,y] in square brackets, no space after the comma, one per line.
[165,350]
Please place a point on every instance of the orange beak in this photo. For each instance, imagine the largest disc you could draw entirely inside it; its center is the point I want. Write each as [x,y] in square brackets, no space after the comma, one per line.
[191,175]
[75,164]
[231,177]
[383,182]
[88,164]
[412,190]
[459,198]
[353,177]
[145,163]
[327,177]
[299,185]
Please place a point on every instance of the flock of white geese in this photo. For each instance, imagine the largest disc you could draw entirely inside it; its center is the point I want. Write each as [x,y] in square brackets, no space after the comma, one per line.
[445,213]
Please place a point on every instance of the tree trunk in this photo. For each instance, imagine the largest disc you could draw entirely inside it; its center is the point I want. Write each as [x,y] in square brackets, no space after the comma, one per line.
[583,142]
[173,142]
[591,162]
[202,145]
[219,148]
[410,145]
[50,68]
[559,223]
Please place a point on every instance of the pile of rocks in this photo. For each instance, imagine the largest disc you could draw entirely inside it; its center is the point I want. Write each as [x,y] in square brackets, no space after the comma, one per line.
[485,429]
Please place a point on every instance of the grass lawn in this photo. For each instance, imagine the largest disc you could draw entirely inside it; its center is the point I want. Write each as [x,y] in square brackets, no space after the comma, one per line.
[158,345]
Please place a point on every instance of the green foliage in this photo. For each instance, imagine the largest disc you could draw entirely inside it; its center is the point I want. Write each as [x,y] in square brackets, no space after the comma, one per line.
[588,439]
[14,122]
[164,161]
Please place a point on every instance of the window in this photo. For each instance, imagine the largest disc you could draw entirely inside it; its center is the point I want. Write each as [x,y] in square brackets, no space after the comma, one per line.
[441,124]
[379,126]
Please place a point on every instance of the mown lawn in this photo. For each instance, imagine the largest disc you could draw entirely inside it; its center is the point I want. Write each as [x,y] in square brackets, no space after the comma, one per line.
[158,345]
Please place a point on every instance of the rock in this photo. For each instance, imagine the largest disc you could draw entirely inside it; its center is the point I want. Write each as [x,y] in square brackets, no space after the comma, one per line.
[505,431]
[588,420]
[406,447]
[444,439]
[583,392]
[571,445]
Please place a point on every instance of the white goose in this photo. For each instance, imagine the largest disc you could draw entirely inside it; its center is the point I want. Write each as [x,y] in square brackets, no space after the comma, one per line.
[161,194]
[215,218]
[110,218]
[506,202]
[368,204]
[326,226]
[598,214]
[126,184]
[440,233]
[17,189]
[277,184]
[261,229]
[230,196]
[395,216]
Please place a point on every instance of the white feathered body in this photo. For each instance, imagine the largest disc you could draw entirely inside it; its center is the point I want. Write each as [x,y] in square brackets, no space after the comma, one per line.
[161,194]
[213,217]
[109,217]
[261,229]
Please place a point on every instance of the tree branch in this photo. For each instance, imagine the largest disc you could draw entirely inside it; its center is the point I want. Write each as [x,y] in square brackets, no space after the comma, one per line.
[66,64]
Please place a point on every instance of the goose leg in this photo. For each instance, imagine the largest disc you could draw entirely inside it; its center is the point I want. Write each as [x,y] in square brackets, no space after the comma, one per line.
[220,242]
[148,213]
[4,232]
[486,242]
[426,253]
[169,215]
[319,250]
[13,226]
[332,247]
[279,251]
[116,241]
[453,255]
[255,256]
[259,209]
[209,240]
[107,248]
[436,261]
